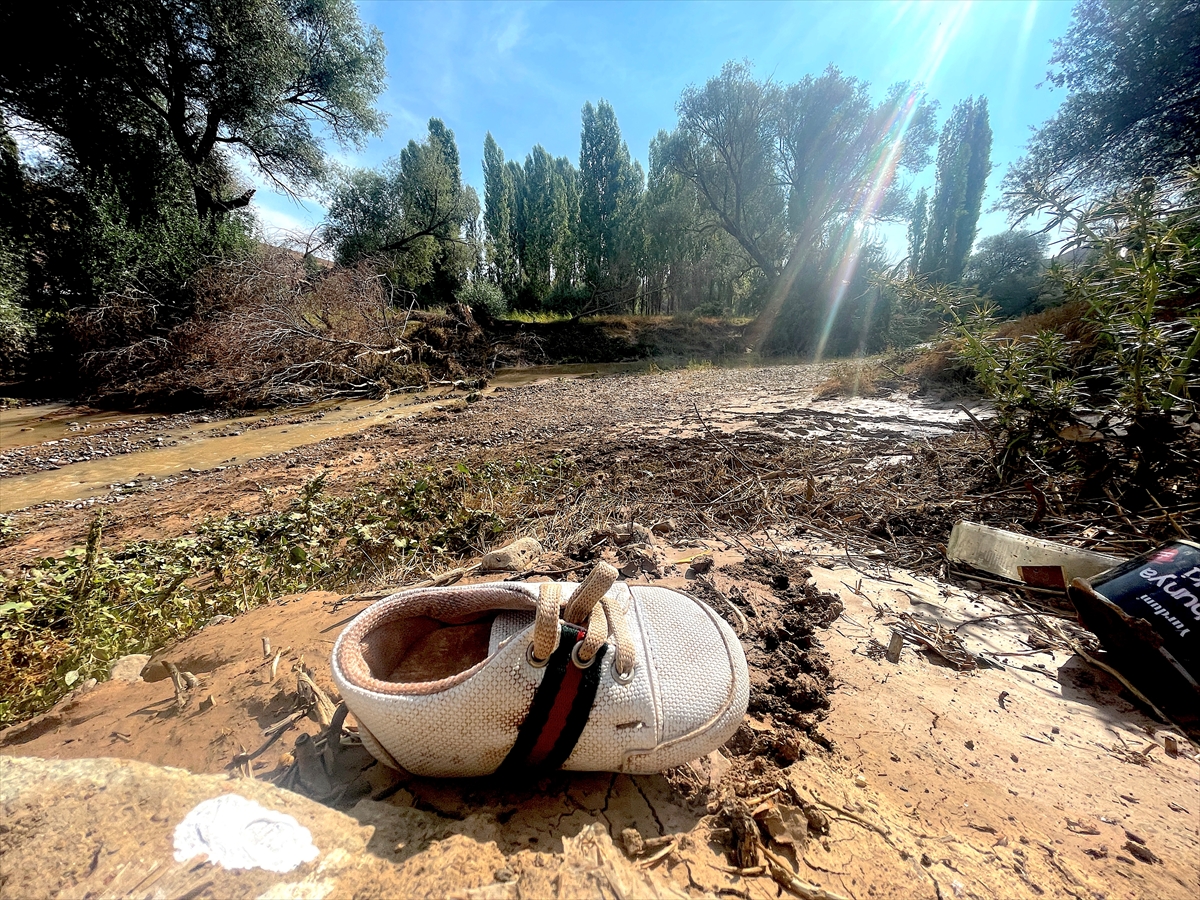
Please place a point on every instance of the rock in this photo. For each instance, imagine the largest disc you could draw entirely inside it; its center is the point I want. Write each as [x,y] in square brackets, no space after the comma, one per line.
[512,557]
[122,819]
[702,564]
[128,668]
[631,838]
[665,527]
[626,533]
[711,769]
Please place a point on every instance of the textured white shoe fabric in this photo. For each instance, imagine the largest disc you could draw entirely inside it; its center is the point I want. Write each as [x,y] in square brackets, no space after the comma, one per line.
[687,695]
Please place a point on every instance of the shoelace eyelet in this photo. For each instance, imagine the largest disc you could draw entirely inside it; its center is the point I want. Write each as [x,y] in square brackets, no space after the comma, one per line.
[533,660]
[578,662]
[618,677]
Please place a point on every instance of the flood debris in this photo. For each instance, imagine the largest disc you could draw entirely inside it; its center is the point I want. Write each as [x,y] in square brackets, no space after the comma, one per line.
[1023,558]
[1146,613]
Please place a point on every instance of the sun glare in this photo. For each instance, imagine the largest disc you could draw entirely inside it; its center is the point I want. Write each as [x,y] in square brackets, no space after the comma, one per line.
[941,28]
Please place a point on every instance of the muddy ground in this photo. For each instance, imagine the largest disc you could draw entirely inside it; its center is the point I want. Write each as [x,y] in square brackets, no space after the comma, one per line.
[1028,774]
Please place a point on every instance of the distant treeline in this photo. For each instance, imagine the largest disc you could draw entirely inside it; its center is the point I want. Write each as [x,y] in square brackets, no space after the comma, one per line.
[123,129]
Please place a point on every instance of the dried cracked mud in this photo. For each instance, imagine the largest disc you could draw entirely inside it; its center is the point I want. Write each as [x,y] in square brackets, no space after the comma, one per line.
[1030,776]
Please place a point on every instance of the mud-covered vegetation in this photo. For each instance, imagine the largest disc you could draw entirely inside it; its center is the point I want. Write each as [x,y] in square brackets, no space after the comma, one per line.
[66,618]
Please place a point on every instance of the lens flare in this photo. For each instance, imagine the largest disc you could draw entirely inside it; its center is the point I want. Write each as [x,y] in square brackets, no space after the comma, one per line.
[943,26]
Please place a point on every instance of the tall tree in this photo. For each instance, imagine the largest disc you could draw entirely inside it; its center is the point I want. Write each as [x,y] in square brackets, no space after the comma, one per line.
[500,203]
[108,85]
[567,262]
[1132,76]
[690,262]
[545,220]
[788,170]
[963,165]
[416,211]
[916,229]
[610,185]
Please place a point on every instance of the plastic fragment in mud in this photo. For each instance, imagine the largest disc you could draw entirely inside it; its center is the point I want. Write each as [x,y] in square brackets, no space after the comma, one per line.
[236,833]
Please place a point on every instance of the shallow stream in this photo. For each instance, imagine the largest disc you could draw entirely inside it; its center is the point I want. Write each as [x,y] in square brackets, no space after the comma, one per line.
[200,442]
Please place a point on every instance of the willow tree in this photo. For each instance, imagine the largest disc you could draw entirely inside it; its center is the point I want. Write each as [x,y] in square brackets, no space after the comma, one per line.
[206,82]
[414,214]
[792,173]
[1131,73]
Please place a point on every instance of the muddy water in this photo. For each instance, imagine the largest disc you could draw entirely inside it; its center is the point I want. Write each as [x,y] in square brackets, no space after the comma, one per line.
[206,445]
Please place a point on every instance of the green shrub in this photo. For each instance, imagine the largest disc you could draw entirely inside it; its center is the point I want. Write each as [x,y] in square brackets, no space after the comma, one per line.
[480,294]
[64,619]
[1110,389]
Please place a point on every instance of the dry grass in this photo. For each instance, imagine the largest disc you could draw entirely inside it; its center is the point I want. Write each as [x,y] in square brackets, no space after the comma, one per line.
[857,379]
[1070,320]
[269,332]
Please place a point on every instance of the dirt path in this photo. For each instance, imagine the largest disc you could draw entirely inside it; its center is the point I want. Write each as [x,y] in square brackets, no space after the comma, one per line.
[1029,776]
[1027,780]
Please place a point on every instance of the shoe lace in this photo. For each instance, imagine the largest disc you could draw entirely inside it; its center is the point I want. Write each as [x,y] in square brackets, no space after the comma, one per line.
[589,605]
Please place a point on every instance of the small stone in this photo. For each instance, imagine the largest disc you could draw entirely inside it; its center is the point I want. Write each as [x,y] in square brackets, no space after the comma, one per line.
[504,875]
[702,564]
[860,780]
[128,668]
[511,557]
[1139,851]
[665,527]
[631,838]
[970,745]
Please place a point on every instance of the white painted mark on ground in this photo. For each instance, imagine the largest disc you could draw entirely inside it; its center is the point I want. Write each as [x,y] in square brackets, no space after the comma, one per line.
[237,833]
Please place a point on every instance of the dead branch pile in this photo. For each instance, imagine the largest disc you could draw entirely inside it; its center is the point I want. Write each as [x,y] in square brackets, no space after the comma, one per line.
[879,500]
[269,331]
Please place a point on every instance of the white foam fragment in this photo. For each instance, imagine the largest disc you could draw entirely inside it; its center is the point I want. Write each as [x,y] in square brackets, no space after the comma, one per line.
[237,833]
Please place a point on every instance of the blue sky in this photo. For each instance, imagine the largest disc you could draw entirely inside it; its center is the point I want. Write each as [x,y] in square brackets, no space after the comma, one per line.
[524,70]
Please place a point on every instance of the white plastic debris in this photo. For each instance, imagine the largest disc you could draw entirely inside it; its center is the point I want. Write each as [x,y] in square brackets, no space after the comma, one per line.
[237,833]
[1020,557]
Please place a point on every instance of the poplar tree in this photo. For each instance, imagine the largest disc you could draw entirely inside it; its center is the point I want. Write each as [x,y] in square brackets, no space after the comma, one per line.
[499,210]
[610,185]
[916,230]
[963,165]
[545,220]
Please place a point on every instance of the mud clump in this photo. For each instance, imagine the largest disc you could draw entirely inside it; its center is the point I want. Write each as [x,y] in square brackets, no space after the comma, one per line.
[790,678]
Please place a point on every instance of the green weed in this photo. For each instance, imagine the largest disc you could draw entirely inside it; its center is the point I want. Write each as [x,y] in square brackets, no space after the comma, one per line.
[65,619]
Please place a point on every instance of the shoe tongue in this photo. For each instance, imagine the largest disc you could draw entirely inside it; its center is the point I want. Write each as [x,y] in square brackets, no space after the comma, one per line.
[507,623]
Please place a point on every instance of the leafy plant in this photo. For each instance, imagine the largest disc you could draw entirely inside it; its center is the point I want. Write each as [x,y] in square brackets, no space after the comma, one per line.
[66,618]
[1116,400]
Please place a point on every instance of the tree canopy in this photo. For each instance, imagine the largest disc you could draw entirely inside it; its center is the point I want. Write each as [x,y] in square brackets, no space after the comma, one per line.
[782,167]
[1132,76]
[415,211]
[1008,267]
[118,87]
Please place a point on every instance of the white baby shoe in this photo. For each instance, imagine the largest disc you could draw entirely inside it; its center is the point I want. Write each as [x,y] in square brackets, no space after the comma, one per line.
[598,676]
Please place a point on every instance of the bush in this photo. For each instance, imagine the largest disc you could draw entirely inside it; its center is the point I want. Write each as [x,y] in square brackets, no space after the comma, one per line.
[479,294]
[1107,384]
